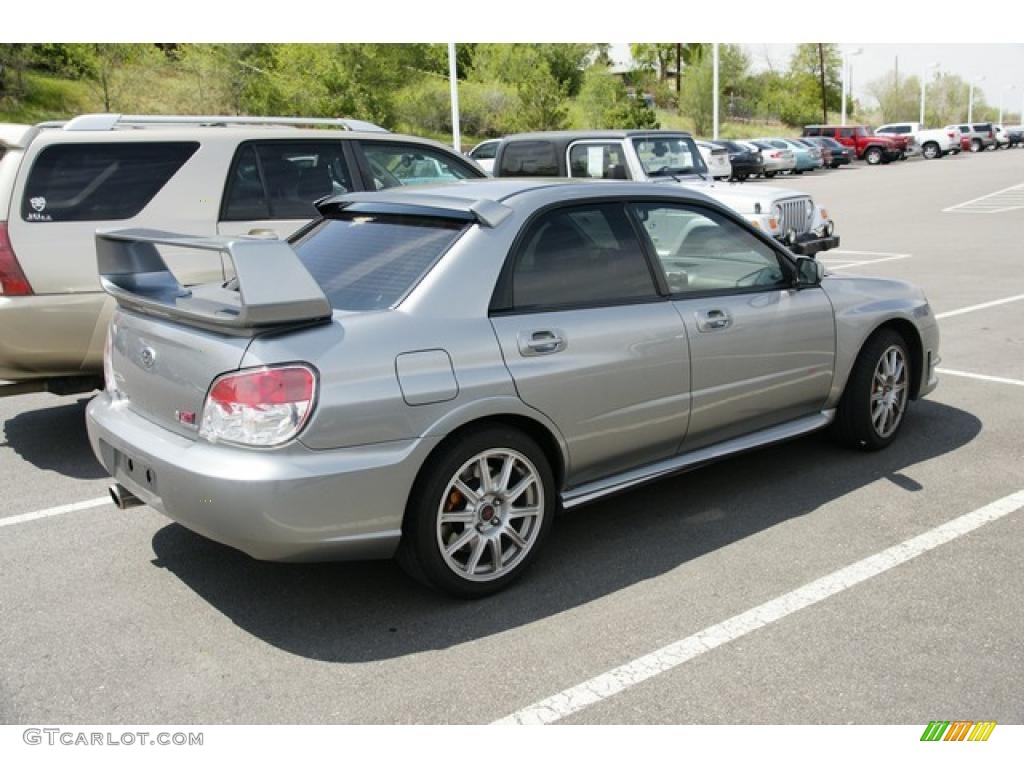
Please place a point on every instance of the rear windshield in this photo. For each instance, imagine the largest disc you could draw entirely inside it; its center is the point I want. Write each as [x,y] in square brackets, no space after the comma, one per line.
[366,261]
[100,182]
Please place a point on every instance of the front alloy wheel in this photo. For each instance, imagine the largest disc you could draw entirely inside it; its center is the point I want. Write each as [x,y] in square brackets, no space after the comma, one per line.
[873,156]
[889,389]
[874,402]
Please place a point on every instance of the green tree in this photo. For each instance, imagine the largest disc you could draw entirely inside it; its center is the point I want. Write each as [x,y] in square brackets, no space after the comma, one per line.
[605,103]
[695,100]
[898,97]
[541,102]
[111,69]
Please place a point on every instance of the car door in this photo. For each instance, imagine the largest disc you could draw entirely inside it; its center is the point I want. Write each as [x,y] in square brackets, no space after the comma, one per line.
[272,185]
[591,343]
[761,352]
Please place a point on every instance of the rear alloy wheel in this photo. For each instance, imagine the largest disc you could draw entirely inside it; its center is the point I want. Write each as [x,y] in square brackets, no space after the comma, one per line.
[874,402]
[975,145]
[478,513]
[931,151]
[873,156]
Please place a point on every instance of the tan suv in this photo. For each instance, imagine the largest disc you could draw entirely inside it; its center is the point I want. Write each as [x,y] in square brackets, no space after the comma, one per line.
[60,182]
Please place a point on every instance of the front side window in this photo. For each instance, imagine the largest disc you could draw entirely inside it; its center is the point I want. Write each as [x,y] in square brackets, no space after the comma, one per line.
[702,251]
[582,256]
[367,261]
[597,161]
[100,182]
[401,165]
[669,156]
[282,179]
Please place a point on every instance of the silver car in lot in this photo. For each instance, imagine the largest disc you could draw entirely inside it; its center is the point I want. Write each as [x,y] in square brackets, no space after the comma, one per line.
[436,372]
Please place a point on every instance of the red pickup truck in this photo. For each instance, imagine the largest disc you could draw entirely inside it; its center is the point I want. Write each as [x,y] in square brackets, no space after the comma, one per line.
[860,138]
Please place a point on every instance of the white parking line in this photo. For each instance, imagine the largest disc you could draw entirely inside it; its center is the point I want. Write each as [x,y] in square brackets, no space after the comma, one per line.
[1009,195]
[980,377]
[976,307]
[848,264]
[61,510]
[606,685]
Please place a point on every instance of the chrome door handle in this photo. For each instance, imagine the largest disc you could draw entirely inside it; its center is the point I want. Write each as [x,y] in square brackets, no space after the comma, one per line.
[713,320]
[543,342]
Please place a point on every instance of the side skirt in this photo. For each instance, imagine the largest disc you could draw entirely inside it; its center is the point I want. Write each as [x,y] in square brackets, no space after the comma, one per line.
[597,489]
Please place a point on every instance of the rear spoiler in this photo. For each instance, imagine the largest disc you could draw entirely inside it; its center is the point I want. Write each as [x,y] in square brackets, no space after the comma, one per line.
[273,288]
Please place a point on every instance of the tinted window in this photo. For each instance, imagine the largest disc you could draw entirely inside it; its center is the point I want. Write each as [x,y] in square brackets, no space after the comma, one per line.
[580,256]
[702,251]
[846,133]
[282,179]
[485,151]
[529,158]
[812,131]
[370,261]
[400,165]
[597,161]
[100,182]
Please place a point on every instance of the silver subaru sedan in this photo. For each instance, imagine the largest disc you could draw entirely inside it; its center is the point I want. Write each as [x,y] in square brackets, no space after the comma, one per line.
[434,373]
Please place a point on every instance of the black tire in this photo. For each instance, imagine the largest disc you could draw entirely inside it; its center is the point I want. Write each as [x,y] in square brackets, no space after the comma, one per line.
[854,426]
[769,174]
[420,552]
[976,145]
[931,151]
[834,165]
[873,155]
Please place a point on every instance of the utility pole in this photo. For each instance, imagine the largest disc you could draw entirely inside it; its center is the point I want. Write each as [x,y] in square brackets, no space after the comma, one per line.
[714,86]
[824,100]
[453,76]
[679,69]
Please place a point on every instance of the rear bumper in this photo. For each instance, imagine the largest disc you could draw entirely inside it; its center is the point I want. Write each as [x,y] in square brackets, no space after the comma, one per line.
[52,335]
[292,504]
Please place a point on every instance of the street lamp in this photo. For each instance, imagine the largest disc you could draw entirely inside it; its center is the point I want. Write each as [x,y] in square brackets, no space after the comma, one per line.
[1002,95]
[846,77]
[970,98]
[924,85]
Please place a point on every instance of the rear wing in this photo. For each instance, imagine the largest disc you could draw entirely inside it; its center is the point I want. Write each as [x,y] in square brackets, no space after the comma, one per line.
[273,287]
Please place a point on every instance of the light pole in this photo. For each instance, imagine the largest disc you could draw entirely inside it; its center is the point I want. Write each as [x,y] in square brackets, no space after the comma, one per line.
[970,98]
[846,68]
[924,86]
[714,89]
[1002,95]
[453,77]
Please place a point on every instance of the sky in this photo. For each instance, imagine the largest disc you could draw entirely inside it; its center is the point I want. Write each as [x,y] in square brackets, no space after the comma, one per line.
[1002,65]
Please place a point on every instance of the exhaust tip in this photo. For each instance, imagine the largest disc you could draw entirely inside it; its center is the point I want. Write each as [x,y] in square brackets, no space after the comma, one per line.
[123,498]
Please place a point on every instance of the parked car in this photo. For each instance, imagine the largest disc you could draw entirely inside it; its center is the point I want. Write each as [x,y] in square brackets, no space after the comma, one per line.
[775,160]
[716,158]
[59,182]
[963,142]
[824,151]
[839,155]
[665,157]
[745,159]
[866,146]
[982,136]
[806,158]
[930,143]
[436,372]
[1015,134]
[484,153]
[1004,139]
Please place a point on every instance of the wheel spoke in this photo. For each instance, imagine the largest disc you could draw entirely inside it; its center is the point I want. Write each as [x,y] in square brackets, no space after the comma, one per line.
[520,488]
[495,544]
[513,534]
[485,475]
[506,474]
[516,513]
[474,556]
[462,516]
[460,542]
[472,497]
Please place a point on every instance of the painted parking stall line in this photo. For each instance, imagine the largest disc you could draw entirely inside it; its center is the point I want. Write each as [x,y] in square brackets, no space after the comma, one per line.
[54,511]
[1000,201]
[608,684]
[837,260]
[976,307]
[980,377]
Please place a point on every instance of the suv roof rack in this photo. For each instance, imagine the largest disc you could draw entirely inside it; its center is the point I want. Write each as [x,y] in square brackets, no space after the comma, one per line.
[110,121]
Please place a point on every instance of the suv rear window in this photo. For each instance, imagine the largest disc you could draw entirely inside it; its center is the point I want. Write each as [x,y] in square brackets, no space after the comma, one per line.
[367,261]
[100,182]
[529,158]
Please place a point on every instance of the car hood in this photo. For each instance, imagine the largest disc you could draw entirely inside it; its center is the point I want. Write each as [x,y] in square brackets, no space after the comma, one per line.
[742,198]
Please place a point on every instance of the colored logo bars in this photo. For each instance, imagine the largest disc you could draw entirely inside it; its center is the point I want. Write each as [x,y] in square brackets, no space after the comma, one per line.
[958,730]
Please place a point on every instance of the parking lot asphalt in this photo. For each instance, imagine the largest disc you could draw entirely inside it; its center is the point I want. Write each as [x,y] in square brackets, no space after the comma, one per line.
[124,617]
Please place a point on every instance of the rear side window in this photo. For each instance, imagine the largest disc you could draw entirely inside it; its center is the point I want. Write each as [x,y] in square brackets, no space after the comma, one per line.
[100,182]
[402,165]
[597,161]
[812,131]
[485,151]
[529,158]
[282,179]
[583,256]
[371,261]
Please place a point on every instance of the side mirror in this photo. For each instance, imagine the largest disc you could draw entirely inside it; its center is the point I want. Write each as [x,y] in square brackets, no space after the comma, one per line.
[809,272]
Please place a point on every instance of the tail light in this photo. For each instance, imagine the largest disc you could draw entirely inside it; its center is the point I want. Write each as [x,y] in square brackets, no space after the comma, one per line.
[109,376]
[776,155]
[12,280]
[259,407]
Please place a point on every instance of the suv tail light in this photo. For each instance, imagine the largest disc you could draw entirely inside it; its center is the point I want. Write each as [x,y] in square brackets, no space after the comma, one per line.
[259,407]
[12,280]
